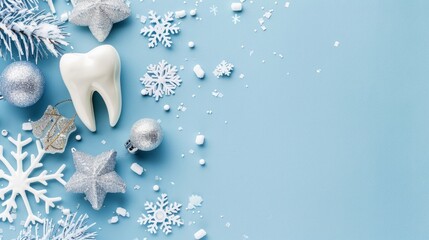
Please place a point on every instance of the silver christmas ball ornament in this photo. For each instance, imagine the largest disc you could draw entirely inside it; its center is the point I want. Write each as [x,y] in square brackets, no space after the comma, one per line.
[146,135]
[22,84]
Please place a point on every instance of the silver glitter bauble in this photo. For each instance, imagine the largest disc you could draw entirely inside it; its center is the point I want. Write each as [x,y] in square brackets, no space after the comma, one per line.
[22,84]
[146,135]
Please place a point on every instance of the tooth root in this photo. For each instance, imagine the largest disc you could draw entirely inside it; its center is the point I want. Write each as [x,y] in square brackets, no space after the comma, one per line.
[96,71]
[111,96]
[82,102]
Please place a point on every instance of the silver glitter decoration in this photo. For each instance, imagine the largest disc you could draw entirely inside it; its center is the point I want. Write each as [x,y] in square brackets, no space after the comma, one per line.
[95,176]
[22,84]
[99,15]
[146,135]
[53,130]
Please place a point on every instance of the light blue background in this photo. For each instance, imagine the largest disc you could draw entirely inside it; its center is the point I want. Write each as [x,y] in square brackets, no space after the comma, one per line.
[340,154]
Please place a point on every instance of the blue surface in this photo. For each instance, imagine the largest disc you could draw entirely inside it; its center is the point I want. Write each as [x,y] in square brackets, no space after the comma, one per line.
[340,154]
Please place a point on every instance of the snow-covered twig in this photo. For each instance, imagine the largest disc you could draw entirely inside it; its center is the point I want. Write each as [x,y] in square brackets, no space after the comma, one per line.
[72,228]
[29,33]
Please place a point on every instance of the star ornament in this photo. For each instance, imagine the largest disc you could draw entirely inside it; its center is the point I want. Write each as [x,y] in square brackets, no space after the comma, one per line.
[95,176]
[99,15]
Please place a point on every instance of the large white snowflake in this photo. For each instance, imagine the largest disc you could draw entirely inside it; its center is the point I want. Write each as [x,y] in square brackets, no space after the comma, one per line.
[160,79]
[223,69]
[19,181]
[161,213]
[160,29]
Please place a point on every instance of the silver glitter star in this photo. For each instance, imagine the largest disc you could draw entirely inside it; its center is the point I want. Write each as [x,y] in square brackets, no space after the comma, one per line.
[95,176]
[99,15]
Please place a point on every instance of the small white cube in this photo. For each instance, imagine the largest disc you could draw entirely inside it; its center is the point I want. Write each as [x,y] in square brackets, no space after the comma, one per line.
[236,7]
[199,139]
[27,126]
[200,234]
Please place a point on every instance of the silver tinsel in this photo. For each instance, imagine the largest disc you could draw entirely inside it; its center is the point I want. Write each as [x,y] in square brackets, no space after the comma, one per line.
[95,176]
[22,84]
[99,15]
[146,135]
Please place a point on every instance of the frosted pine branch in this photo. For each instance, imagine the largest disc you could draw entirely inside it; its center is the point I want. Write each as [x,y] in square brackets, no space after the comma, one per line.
[16,4]
[25,33]
[72,228]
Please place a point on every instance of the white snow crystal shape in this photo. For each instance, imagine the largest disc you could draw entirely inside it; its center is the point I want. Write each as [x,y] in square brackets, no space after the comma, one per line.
[161,213]
[160,80]
[160,29]
[194,201]
[19,181]
[223,69]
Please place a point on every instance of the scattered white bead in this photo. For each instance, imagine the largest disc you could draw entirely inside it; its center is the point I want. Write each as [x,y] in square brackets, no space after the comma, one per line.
[4,133]
[287,4]
[122,212]
[180,14]
[193,12]
[155,188]
[236,7]
[199,72]
[27,126]
[166,107]
[200,234]
[199,139]
[202,162]
[135,167]
[78,137]
[191,44]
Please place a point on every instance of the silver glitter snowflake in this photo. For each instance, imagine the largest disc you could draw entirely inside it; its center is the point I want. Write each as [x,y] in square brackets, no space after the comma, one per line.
[223,69]
[19,181]
[161,213]
[160,79]
[160,29]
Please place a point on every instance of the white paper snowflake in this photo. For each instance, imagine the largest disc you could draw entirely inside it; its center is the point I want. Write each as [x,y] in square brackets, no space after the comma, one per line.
[19,181]
[213,10]
[223,69]
[235,19]
[161,213]
[194,202]
[160,79]
[160,29]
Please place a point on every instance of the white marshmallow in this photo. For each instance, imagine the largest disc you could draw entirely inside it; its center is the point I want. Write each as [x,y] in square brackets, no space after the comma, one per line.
[236,7]
[199,72]
[135,167]
[199,140]
[180,14]
[200,234]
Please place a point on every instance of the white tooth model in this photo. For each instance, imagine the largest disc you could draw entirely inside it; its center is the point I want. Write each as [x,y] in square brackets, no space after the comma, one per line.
[99,71]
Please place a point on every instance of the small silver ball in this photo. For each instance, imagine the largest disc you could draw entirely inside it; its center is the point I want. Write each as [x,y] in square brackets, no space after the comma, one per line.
[146,134]
[22,84]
